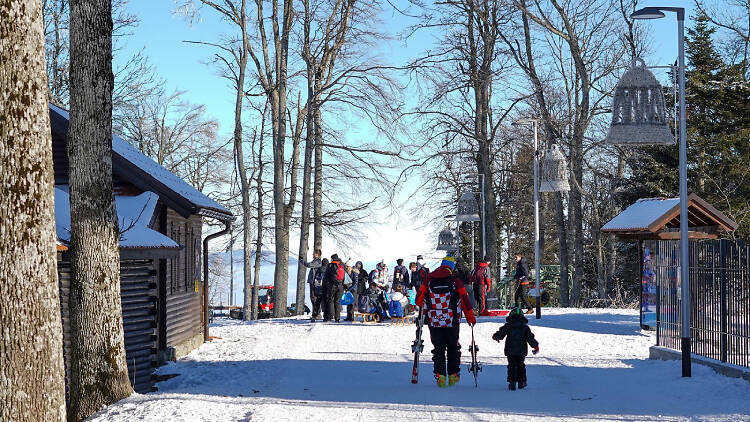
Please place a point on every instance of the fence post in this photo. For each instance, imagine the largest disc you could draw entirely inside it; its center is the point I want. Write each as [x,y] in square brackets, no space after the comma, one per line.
[723,289]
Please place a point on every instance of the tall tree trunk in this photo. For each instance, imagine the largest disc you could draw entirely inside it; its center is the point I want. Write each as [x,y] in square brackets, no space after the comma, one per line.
[562,235]
[98,373]
[304,238]
[576,218]
[247,209]
[259,218]
[247,241]
[32,375]
[542,220]
[615,209]
[318,182]
[484,165]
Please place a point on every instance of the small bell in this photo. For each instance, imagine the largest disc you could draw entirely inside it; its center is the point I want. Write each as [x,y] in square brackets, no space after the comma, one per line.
[554,171]
[639,114]
[467,208]
[446,240]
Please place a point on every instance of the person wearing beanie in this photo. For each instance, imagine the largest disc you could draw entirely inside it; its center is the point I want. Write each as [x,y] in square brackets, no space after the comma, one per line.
[481,282]
[334,283]
[518,334]
[439,296]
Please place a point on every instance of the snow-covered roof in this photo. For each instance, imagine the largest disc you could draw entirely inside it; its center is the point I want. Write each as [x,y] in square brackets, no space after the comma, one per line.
[133,216]
[642,214]
[160,174]
[660,215]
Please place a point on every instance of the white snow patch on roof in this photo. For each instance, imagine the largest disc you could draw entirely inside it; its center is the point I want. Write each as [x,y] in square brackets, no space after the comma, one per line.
[137,158]
[641,214]
[136,209]
[133,216]
[181,187]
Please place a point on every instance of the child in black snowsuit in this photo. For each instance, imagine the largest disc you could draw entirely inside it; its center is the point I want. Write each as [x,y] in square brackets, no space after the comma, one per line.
[519,334]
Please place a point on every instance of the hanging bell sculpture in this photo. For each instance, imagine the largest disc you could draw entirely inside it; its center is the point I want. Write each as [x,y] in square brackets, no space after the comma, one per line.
[467,208]
[446,240]
[554,171]
[639,115]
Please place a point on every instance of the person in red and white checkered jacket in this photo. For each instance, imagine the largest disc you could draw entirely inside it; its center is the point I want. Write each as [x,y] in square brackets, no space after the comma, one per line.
[440,295]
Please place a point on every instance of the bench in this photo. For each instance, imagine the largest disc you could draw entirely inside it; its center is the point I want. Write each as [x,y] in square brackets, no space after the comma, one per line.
[365,317]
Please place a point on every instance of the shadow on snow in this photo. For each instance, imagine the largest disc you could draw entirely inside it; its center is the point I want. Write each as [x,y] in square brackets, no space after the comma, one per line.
[655,388]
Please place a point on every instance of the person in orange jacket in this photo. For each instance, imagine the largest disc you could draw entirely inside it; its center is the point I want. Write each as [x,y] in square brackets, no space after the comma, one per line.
[481,282]
[440,296]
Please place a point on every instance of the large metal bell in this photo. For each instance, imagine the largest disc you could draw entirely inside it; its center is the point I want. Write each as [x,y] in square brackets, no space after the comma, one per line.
[446,240]
[639,114]
[467,208]
[554,171]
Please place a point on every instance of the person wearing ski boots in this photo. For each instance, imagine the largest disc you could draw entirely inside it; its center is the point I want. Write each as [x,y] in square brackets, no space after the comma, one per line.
[440,295]
[522,277]
[518,333]
[480,280]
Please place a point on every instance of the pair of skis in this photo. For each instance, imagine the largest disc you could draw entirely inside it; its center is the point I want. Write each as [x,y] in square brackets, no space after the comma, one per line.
[475,368]
[418,345]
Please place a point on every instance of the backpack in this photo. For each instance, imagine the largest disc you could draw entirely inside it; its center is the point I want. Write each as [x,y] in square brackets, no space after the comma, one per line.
[318,280]
[339,272]
[347,281]
[477,276]
[395,309]
[363,304]
[442,303]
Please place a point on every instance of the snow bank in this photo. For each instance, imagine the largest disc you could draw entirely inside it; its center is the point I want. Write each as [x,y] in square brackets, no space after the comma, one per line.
[593,365]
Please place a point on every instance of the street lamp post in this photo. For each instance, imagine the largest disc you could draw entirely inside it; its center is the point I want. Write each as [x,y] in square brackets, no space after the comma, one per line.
[656,13]
[535,124]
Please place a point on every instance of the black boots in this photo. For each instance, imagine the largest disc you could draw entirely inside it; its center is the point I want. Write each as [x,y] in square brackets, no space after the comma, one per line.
[522,385]
[512,386]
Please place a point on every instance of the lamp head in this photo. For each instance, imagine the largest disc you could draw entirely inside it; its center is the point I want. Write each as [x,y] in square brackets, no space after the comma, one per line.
[521,122]
[648,13]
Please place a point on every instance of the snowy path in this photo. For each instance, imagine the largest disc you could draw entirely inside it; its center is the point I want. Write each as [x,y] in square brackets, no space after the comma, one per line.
[593,364]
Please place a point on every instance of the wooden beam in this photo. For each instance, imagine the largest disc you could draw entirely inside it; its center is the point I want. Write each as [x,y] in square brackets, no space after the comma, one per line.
[691,235]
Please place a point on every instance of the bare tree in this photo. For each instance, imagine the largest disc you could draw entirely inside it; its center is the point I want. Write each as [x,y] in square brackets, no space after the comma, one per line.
[580,33]
[32,377]
[133,79]
[732,16]
[462,112]
[98,373]
[179,136]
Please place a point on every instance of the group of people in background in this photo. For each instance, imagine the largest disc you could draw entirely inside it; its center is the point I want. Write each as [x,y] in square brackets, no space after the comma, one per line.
[376,291]
[446,294]
[379,291]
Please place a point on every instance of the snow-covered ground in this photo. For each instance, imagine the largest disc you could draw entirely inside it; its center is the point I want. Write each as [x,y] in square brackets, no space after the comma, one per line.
[593,364]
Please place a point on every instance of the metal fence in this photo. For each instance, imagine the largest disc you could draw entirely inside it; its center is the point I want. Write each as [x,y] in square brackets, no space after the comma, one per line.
[719,295]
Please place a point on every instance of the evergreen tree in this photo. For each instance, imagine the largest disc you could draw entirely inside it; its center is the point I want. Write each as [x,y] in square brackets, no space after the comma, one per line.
[718,126]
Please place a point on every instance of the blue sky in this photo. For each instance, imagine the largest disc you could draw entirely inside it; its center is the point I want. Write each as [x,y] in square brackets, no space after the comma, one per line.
[184,67]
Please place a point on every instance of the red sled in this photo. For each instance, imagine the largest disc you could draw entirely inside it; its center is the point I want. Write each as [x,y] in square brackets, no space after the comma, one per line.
[497,312]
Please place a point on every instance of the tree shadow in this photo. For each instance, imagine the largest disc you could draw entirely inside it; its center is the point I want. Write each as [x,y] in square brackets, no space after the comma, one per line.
[623,325]
[652,391]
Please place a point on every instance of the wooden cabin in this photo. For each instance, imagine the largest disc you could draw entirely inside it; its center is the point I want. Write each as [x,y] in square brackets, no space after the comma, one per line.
[161,219]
